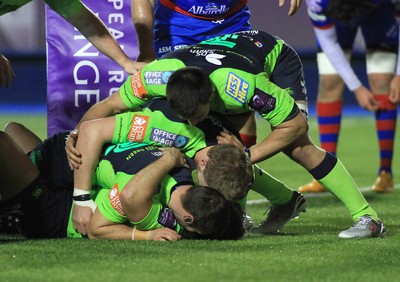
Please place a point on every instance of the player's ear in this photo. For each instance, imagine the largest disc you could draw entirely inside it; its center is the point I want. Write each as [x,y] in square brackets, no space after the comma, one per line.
[188,219]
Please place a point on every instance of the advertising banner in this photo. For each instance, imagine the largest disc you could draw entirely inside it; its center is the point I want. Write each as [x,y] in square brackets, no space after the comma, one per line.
[78,75]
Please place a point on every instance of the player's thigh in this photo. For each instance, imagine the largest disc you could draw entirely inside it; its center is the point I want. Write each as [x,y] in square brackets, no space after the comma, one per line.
[380,69]
[21,135]
[331,85]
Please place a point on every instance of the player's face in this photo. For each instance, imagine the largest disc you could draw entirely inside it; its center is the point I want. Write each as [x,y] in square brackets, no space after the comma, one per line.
[201,114]
[201,161]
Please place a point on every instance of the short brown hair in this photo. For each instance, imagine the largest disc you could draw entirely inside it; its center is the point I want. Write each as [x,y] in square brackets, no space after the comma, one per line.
[228,171]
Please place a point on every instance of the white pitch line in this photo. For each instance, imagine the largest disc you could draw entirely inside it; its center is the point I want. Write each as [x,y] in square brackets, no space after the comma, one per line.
[313,195]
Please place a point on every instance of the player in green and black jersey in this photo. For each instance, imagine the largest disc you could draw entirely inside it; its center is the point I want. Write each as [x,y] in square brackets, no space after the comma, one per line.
[42,186]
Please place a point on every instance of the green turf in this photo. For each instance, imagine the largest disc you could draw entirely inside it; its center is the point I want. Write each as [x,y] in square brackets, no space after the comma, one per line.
[307,250]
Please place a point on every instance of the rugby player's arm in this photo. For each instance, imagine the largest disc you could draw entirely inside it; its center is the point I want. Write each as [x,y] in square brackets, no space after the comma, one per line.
[110,106]
[143,21]
[281,136]
[93,28]
[92,137]
[136,197]
[102,228]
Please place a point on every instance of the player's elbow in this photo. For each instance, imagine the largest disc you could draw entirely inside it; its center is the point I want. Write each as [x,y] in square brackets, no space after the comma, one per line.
[93,232]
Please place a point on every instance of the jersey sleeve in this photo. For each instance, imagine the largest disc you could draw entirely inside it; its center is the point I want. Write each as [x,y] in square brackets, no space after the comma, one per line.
[109,204]
[273,103]
[152,127]
[149,83]
[241,92]
[150,221]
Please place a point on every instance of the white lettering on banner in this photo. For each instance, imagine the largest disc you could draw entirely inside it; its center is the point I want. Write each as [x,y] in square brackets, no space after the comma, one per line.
[115,18]
[82,52]
[118,4]
[117,76]
[86,73]
[88,94]
[117,34]
[85,64]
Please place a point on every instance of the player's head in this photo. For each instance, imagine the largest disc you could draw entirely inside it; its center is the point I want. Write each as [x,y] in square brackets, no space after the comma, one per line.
[214,217]
[225,168]
[189,93]
[346,10]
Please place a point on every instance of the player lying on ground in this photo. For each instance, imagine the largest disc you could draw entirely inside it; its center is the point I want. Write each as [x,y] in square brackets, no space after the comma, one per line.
[42,184]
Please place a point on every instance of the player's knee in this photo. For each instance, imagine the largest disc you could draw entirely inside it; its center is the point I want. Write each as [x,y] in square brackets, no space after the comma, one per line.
[11,126]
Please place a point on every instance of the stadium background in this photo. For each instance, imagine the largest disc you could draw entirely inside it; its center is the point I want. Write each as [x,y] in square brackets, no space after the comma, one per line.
[23,41]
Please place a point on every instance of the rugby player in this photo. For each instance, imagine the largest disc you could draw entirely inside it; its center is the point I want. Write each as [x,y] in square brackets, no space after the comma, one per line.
[162,26]
[336,24]
[42,184]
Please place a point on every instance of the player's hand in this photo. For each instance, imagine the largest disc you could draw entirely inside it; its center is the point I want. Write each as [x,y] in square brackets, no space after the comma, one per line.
[174,156]
[132,67]
[228,138]
[163,234]
[81,218]
[74,157]
[366,99]
[394,95]
[294,6]
[6,72]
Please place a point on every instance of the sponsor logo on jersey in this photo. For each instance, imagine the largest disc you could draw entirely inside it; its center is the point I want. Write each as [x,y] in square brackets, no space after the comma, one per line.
[262,102]
[138,129]
[137,85]
[157,77]
[177,47]
[258,44]
[210,9]
[251,32]
[237,88]
[113,195]
[164,49]
[167,138]
[167,219]
[214,59]
[201,52]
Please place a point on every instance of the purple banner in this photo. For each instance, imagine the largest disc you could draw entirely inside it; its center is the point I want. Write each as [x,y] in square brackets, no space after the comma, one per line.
[78,75]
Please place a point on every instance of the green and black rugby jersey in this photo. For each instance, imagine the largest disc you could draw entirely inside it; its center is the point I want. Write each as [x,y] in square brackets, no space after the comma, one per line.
[239,66]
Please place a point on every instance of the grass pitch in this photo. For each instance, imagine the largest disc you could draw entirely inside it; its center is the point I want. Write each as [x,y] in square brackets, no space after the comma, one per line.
[306,250]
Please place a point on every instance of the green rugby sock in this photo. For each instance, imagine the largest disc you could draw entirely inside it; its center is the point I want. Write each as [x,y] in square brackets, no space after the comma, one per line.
[271,188]
[340,183]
